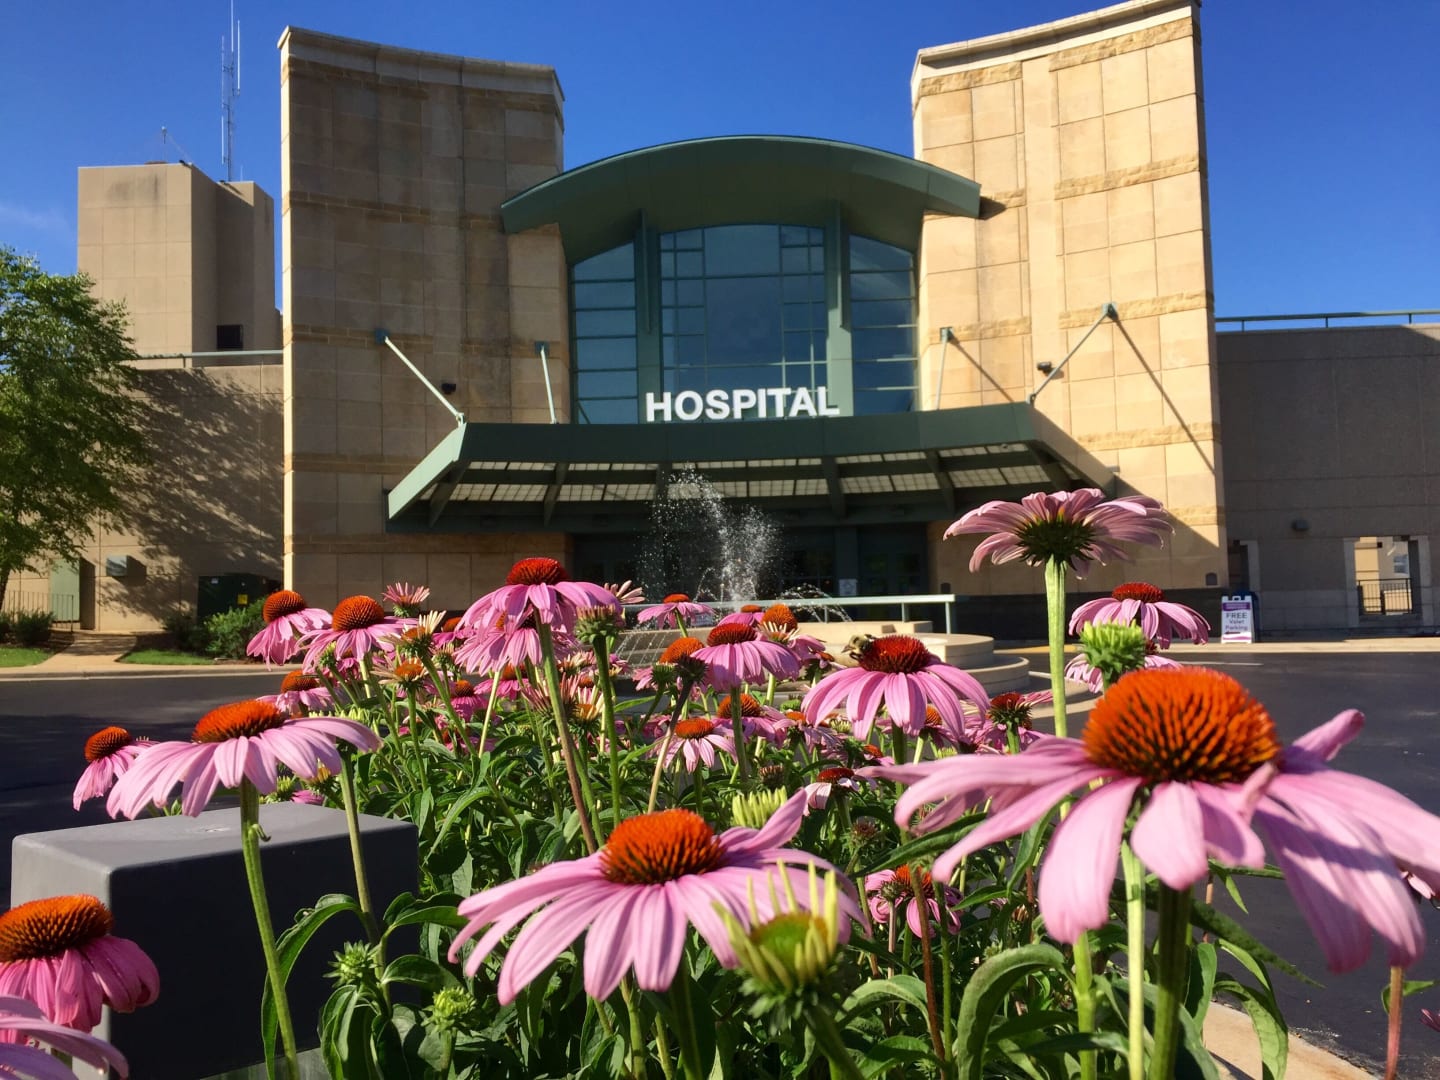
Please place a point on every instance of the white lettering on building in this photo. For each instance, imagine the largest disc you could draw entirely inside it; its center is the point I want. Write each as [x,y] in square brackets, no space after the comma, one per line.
[781,402]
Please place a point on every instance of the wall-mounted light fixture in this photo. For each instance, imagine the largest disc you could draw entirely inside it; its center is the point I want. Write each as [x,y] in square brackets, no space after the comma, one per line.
[1045,367]
[447,388]
[1300,525]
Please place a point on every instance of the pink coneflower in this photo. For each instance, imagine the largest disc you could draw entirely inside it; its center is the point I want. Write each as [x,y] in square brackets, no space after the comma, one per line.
[1136,602]
[287,620]
[829,782]
[22,1020]
[627,592]
[674,609]
[759,719]
[777,623]
[358,626]
[657,875]
[242,740]
[697,742]
[675,661]
[300,693]
[60,954]
[1430,1020]
[1205,756]
[1076,527]
[511,643]
[1010,713]
[464,698]
[899,672]
[542,586]
[1078,669]
[405,598]
[110,752]
[893,893]
[733,655]
[1344,842]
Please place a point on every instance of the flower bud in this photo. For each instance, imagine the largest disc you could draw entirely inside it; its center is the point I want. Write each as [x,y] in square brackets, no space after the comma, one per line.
[755,809]
[793,949]
[1113,648]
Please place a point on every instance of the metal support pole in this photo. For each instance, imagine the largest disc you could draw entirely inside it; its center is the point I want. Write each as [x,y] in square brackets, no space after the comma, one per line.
[946,336]
[382,337]
[545,364]
[1107,312]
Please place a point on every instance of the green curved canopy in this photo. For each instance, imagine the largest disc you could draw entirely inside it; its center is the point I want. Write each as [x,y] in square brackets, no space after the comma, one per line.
[741,178]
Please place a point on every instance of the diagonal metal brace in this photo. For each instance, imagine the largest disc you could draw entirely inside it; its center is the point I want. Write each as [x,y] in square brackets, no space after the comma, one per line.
[382,337]
[1106,312]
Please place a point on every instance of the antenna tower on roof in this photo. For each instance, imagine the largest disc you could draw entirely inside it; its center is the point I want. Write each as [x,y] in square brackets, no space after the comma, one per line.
[229,91]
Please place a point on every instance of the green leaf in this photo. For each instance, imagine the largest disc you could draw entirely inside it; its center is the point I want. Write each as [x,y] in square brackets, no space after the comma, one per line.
[289,946]
[1269,1024]
[986,992]
[1203,962]
[903,988]
[1410,986]
[1231,932]
[418,971]
[438,910]
[1193,1062]
[896,1050]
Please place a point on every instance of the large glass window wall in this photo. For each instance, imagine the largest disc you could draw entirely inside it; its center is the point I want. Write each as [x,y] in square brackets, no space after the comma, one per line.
[749,306]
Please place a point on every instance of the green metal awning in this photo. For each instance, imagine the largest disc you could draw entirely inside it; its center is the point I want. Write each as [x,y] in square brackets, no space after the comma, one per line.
[921,466]
[718,181]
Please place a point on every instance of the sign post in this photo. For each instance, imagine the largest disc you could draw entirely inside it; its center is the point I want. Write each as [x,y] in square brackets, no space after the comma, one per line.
[1237,619]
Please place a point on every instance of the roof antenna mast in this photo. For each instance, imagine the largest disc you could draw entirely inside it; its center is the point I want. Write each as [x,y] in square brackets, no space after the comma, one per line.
[229,91]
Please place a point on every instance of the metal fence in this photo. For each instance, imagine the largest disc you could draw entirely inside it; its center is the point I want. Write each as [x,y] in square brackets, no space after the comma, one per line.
[65,607]
[1323,318]
[1387,597]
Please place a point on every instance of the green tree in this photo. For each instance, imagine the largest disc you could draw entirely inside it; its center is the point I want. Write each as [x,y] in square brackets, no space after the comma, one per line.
[72,418]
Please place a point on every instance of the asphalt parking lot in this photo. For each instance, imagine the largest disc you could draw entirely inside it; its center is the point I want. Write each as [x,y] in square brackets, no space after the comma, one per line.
[44,722]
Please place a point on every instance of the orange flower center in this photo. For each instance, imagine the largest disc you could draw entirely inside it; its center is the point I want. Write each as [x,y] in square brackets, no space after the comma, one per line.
[679,649]
[356,613]
[730,634]
[902,885]
[537,571]
[676,598]
[654,848]
[933,718]
[748,706]
[241,718]
[1138,590]
[450,625]
[694,729]
[281,603]
[830,776]
[106,741]
[409,671]
[44,928]
[896,654]
[871,750]
[1192,725]
[780,615]
[461,688]
[296,681]
[751,609]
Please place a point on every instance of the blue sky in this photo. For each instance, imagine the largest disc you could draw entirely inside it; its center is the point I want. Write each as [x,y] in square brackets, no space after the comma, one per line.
[1321,116]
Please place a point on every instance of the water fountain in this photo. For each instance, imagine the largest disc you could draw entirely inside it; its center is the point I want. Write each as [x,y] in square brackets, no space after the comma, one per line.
[700,545]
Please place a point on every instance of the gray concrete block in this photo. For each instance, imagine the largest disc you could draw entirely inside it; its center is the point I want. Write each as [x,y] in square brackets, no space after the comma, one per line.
[176,886]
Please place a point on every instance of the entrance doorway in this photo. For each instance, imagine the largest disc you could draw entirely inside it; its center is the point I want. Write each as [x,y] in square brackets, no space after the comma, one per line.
[1387,576]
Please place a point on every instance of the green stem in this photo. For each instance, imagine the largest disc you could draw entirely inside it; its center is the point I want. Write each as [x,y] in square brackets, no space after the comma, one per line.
[1392,1039]
[684,1014]
[681,697]
[638,1043]
[442,690]
[946,983]
[770,689]
[489,710]
[932,1006]
[607,712]
[254,875]
[1055,609]
[1135,956]
[357,853]
[831,1043]
[699,775]
[737,728]
[1172,975]
[579,784]
[662,1049]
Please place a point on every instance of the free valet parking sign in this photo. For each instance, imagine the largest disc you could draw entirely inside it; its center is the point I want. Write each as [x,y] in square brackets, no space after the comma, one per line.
[779,403]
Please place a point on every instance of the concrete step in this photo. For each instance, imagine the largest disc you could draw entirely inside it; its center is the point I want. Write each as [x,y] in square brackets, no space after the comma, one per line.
[1004,676]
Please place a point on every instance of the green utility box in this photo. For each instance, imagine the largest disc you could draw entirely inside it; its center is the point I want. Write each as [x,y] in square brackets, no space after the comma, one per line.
[221,592]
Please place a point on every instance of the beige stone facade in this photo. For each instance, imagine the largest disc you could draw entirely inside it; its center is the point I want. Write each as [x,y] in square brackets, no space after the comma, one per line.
[1087,139]
[394,164]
